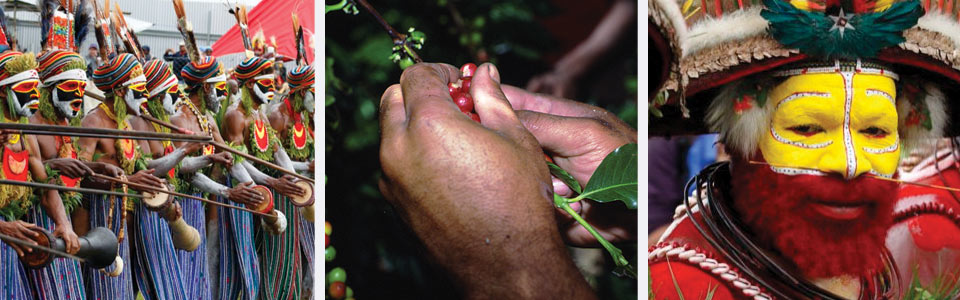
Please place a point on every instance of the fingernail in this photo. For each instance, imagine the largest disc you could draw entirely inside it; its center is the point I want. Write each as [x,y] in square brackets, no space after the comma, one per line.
[493,72]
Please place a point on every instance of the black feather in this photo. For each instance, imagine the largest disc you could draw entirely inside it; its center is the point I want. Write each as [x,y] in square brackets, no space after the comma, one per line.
[47,9]
[81,23]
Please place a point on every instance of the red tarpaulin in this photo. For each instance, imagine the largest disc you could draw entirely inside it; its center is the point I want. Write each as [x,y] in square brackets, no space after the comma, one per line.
[273,17]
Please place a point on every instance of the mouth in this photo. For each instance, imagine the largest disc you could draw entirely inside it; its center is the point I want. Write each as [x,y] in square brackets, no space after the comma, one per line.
[840,211]
[33,106]
[76,105]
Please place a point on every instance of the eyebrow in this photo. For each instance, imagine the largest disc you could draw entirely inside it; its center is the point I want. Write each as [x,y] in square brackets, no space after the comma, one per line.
[874,92]
[798,95]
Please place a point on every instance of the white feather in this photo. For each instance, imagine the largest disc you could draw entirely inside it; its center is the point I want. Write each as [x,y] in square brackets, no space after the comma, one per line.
[943,24]
[710,32]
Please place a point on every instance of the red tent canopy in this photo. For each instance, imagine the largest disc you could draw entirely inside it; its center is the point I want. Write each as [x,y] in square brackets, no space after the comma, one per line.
[273,17]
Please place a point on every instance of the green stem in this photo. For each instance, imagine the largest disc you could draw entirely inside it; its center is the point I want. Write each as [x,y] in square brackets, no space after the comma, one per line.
[615,252]
[337,6]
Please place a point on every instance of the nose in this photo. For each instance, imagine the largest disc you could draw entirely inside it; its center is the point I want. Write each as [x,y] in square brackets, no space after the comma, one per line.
[844,159]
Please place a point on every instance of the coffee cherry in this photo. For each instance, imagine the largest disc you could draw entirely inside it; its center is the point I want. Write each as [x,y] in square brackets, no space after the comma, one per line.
[327,228]
[465,85]
[453,88]
[547,157]
[468,69]
[464,101]
[338,290]
[330,253]
[327,240]
[349,293]
[337,274]
[474,117]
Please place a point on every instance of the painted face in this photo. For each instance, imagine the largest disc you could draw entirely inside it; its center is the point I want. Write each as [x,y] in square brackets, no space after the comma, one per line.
[308,100]
[68,97]
[24,97]
[217,94]
[264,90]
[136,97]
[170,98]
[839,123]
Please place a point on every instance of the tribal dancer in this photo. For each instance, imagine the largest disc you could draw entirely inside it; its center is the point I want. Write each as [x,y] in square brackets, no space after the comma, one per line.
[61,91]
[293,122]
[815,103]
[238,265]
[281,274]
[19,99]
[122,81]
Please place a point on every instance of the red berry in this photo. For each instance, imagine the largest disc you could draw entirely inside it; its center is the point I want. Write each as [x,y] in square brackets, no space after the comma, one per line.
[327,241]
[338,290]
[465,86]
[453,87]
[474,116]
[547,157]
[467,70]
[464,102]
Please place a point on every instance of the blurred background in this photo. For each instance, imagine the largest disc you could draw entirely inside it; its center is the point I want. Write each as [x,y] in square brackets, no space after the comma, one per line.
[584,50]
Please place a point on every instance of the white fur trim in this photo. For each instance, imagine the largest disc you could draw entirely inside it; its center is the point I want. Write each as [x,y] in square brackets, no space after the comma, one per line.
[916,136]
[137,79]
[670,9]
[942,24]
[218,78]
[75,74]
[741,133]
[164,86]
[710,32]
[25,75]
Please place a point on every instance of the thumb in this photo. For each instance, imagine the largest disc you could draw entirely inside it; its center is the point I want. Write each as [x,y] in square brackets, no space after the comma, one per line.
[492,106]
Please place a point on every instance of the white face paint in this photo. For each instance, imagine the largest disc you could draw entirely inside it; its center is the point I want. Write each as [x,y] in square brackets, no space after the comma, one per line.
[215,95]
[308,102]
[263,88]
[136,97]
[169,104]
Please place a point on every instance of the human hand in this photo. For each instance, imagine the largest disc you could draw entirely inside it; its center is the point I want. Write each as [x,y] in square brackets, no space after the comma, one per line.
[245,195]
[285,185]
[578,143]
[191,147]
[145,177]
[21,230]
[223,158]
[65,231]
[477,194]
[69,167]
[556,83]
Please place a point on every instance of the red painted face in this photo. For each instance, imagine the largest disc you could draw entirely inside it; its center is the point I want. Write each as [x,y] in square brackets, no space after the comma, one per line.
[786,213]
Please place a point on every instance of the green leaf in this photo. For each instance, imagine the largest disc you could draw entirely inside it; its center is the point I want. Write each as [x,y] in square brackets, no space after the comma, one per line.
[568,179]
[616,178]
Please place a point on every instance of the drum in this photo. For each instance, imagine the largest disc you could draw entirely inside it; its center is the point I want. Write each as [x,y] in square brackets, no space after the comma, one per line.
[307,213]
[159,202]
[307,198]
[276,223]
[267,205]
[98,249]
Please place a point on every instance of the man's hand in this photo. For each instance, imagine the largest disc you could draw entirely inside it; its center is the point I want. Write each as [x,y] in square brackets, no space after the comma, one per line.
[69,167]
[145,177]
[65,231]
[285,185]
[23,231]
[245,195]
[223,158]
[191,147]
[579,136]
[477,195]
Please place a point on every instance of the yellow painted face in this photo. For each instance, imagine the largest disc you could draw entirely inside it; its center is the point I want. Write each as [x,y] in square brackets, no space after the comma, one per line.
[839,123]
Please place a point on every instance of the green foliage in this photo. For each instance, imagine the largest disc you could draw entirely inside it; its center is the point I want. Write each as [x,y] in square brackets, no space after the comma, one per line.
[615,179]
[568,179]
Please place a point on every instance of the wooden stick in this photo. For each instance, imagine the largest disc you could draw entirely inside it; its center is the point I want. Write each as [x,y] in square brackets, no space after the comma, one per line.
[933,186]
[38,247]
[108,133]
[66,189]
[92,135]
[231,150]
[158,190]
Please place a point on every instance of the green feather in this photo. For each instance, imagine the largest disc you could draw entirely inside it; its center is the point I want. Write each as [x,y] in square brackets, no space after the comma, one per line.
[810,32]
